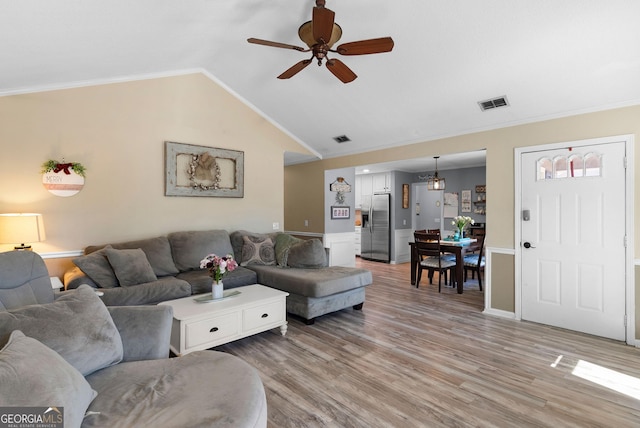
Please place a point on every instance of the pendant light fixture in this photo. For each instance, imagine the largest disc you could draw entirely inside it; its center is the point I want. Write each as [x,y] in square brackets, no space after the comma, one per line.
[434,182]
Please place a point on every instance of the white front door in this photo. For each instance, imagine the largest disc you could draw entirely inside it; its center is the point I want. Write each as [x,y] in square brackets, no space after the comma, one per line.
[573,238]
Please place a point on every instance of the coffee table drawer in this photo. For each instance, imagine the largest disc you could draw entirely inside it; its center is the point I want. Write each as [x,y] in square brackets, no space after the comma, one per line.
[211,330]
[263,315]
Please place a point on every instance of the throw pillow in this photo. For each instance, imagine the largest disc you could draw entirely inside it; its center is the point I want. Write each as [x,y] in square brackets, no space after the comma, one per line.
[257,250]
[77,326]
[309,253]
[131,266]
[97,267]
[283,242]
[32,375]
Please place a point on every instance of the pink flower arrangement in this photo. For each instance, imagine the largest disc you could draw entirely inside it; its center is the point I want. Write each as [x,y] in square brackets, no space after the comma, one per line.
[218,266]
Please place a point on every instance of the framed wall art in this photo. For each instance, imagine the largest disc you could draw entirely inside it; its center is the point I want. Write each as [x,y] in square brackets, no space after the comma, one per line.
[340,212]
[405,196]
[466,201]
[192,170]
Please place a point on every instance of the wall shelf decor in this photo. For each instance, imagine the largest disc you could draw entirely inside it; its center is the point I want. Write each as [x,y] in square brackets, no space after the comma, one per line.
[480,204]
[192,170]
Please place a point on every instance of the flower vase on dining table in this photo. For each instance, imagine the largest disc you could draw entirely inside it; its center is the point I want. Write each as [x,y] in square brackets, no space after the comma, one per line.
[217,290]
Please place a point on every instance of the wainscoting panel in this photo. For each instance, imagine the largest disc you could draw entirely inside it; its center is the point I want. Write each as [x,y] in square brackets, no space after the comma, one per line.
[402,253]
[341,248]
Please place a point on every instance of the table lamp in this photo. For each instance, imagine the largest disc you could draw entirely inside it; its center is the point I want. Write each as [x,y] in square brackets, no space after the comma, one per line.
[21,228]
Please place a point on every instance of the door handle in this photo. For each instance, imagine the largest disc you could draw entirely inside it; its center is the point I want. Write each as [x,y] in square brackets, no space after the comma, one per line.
[528,245]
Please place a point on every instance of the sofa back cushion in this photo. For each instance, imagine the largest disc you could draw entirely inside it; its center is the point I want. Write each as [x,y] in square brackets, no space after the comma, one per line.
[131,266]
[238,241]
[97,267]
[308,253]
[77,326]
[157,250]
[189,248]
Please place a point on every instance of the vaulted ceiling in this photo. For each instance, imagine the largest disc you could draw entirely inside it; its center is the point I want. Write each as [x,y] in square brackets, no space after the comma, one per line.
[549,58]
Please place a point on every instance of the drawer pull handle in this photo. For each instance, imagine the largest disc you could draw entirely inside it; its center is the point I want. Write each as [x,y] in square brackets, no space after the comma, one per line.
[213,330]
[264,315]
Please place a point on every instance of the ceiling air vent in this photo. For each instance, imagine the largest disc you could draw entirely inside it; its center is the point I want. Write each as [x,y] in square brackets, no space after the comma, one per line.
[493,103]
[341,139]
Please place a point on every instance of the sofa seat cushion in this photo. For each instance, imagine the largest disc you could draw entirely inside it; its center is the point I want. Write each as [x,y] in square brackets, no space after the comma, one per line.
[313,282]
[205,388]
[157,250]
[189,248]
[201,281]
[166,288]
[32,375]
[77,326]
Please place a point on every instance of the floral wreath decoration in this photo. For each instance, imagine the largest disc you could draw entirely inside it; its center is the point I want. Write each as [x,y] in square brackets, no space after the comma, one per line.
[55,166]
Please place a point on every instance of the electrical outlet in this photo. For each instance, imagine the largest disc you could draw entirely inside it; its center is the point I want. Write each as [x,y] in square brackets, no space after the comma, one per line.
[404,222]
[276,225]
[306,223]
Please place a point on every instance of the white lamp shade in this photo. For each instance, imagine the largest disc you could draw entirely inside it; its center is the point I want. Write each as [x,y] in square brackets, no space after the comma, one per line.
[21,228]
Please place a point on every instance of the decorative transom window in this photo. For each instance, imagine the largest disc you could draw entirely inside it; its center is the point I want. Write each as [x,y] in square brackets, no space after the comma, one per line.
[572,166]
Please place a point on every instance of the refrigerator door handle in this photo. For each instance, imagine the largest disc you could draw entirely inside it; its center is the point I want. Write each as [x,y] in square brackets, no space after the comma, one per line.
[371,217]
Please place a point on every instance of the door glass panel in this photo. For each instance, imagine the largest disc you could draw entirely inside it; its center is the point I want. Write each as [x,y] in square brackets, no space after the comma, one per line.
[593,165]
[560,167]
[545,169]
[576,166]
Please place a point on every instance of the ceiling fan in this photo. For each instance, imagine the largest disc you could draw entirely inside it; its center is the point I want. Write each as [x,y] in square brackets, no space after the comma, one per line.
[320,34]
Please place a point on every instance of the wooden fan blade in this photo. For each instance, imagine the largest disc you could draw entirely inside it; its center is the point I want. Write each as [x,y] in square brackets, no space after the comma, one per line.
[341,71]
[276,44]
[322,24]
[364,47]
[298,67]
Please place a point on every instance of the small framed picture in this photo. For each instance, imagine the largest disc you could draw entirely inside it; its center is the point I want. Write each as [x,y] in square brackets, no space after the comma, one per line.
[338,213]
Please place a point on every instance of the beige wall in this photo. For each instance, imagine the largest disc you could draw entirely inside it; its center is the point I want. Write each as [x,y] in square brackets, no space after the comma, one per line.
[117,131]
[500,145]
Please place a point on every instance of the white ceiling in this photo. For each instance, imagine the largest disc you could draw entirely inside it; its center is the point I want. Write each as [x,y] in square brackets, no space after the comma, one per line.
[551,58]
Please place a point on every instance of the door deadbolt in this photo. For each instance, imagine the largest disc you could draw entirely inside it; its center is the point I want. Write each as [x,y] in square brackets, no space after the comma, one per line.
[528,245]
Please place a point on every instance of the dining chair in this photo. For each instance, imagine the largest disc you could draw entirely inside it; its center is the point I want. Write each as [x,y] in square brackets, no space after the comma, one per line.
[430,258]
[475,263]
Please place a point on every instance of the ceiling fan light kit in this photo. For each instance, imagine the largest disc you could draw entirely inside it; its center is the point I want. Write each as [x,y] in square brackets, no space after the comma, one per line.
[320,34]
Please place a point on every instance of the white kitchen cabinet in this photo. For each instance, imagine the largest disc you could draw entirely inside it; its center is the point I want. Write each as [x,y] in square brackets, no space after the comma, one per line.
[381,182]
[366,185]
[358,237]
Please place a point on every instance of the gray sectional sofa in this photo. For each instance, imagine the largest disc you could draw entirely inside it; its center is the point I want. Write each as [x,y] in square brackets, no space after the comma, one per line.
[99,366]
[167,267]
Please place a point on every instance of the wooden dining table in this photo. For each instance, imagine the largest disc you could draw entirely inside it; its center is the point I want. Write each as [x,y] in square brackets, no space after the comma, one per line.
[459,248]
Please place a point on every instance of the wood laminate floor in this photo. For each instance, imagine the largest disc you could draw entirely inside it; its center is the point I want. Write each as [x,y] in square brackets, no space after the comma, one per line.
[419,358]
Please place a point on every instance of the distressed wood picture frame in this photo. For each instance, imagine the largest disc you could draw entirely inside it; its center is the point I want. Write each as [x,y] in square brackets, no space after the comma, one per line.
[192,170]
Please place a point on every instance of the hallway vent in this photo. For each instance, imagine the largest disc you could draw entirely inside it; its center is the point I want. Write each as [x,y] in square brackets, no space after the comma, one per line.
[493,103]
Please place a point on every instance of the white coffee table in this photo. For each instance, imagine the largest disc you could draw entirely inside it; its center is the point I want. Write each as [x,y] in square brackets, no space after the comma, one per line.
[198,325]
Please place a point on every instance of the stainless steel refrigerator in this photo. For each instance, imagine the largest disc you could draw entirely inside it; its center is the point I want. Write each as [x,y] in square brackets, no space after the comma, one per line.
[375,232]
